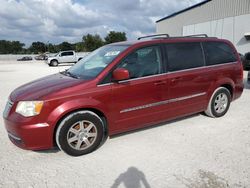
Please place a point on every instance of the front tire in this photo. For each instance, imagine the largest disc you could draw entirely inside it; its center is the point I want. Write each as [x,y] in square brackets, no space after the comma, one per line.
[219,103]
[54,63]
[80,133]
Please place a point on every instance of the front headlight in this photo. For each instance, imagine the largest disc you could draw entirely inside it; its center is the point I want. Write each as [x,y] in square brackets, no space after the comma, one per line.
[29,108]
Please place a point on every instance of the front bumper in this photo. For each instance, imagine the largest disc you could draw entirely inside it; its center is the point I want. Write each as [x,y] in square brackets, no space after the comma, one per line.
[29,136]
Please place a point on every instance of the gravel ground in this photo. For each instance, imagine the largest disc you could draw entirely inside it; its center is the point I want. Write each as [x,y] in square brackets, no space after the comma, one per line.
[193,152]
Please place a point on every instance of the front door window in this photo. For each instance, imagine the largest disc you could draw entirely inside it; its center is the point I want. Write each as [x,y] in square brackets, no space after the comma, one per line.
[143,62]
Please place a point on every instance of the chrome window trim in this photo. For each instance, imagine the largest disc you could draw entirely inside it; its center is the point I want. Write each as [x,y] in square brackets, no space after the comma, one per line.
[203,67]
[107,84]
[168,73]
[124,81]
[155,75]
[162,102]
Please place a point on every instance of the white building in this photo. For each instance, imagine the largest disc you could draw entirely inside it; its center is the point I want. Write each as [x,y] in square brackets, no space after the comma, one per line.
[228,19]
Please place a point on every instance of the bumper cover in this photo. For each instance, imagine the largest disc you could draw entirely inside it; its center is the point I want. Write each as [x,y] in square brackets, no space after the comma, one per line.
[33,137]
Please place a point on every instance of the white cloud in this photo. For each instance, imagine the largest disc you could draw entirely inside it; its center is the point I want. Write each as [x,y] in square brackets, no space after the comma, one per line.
[56,21]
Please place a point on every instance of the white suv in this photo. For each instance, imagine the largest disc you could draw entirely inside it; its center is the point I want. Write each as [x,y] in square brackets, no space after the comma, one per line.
[63,57]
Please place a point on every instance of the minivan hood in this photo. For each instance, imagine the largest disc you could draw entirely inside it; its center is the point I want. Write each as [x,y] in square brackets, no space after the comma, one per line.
[43,86]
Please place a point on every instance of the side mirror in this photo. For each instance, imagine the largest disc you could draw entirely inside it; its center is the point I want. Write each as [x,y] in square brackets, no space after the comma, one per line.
[120,74]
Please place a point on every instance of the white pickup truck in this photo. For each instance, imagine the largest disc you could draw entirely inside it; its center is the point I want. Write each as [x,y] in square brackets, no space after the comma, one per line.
[63,57]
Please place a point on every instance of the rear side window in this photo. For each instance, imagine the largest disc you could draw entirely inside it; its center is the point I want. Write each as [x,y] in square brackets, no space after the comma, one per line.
[218,53]
[183,56]
[67,53]
[70,53]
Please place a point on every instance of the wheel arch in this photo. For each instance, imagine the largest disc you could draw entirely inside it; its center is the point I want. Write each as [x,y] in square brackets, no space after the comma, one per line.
[226,83]
[53,60]
[95,110]
[230,89]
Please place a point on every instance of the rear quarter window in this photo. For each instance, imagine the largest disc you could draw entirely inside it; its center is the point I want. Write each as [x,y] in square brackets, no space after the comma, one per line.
[218,53]
[183,56]
[70,53]
[67,53]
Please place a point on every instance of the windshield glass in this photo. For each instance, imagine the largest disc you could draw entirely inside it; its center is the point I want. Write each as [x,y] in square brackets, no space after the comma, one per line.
[92,64]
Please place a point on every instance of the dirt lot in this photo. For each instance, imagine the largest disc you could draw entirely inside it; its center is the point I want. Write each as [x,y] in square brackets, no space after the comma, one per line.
[194,152]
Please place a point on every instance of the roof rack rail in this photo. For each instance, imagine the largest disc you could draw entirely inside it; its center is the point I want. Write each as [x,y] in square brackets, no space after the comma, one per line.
[193,36]
[150,36]
[197,35]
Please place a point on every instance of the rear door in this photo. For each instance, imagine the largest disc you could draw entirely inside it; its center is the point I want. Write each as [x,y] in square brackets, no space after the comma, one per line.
[187,79]
[67,57]
[135,101]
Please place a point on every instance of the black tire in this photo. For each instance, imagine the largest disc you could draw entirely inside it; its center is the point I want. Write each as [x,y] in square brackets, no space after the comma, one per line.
[76,141]
[54,63]
[219,103]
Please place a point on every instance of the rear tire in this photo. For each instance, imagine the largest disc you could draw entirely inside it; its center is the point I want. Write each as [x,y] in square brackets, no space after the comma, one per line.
[80,133]
[219,103]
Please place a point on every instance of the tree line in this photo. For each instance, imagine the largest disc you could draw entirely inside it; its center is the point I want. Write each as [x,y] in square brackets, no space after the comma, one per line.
[89,43]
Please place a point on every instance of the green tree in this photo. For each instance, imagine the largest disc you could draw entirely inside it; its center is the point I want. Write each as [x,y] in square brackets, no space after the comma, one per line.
[51,48]
[65,46]
[115,37]
[16,47]
[79,47]
[92,42]
[37,47]
[11,47]
[4,47]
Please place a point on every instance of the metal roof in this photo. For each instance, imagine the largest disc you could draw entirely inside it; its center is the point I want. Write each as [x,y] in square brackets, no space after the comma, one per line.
[184,10]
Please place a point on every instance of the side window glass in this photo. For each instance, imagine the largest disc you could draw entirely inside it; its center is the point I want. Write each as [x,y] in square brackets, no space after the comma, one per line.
[183,56]
[143,62]
[70,53]
[63,53]
[218,53]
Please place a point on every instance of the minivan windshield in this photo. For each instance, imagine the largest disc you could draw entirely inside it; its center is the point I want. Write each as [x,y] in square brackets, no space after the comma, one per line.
[92,64]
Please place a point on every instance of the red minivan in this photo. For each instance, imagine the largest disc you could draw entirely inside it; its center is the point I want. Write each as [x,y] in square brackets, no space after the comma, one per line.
[124,86]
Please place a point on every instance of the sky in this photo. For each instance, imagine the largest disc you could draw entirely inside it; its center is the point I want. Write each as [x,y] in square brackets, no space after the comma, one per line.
[55,21]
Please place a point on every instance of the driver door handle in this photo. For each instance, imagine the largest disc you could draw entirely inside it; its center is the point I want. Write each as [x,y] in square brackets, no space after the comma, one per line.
[176,79]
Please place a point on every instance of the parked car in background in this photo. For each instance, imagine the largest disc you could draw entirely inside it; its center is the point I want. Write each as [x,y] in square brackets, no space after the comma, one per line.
[122,87]
[246,61]
[63,57]
[41,57]
[242,57]
[25,58]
